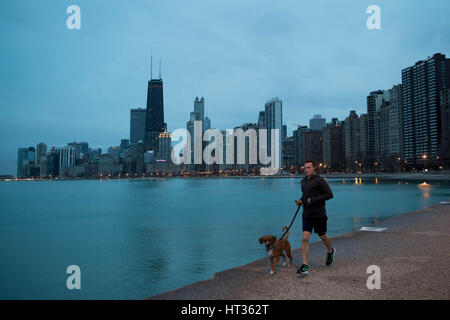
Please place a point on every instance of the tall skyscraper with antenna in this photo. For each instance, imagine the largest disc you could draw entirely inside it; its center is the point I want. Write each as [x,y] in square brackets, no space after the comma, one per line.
[154,121]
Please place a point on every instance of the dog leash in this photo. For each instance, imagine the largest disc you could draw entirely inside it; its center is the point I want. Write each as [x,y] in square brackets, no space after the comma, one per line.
[287,230]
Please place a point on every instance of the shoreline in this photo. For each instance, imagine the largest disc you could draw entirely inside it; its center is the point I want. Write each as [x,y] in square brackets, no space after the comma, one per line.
[410,176]
[411,254]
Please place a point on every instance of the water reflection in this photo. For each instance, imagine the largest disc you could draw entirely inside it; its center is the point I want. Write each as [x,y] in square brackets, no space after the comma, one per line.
[356,223]
[425,188]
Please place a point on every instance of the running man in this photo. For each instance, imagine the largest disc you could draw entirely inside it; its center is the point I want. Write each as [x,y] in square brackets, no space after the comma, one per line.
[315,191]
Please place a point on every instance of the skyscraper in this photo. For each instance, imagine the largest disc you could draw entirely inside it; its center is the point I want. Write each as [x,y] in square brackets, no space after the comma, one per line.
[422,85]
[197,115]
[165,146]
[317,123]
[31,155]
[283,132]
[84,149]
[124,145]
[298,144]
[444,150]
[154,120]
[67,157]
[361,156]
[396,121]
[53,162]
[374,102]
[41,151]
[388,129]
[207,124]
[137,125]
[22,160]
[333,145]
[352,150]
[312,146]
[77,148]
[261,123]
[199,109]
[273,117]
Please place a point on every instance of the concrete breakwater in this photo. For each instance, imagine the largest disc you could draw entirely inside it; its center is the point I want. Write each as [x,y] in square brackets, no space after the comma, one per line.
[411,254]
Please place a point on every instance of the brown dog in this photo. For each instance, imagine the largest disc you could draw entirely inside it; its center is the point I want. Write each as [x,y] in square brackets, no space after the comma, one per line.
[275,249]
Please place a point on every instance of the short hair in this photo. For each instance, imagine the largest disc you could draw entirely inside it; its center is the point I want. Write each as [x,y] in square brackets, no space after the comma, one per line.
[313,162]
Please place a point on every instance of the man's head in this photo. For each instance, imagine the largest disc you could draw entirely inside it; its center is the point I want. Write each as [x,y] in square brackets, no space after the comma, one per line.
[310,167]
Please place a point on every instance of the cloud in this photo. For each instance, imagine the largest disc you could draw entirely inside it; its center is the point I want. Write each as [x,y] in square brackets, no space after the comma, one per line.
[58,85]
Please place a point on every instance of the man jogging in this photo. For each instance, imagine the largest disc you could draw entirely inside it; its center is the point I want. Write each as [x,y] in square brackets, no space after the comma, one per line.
[315,191]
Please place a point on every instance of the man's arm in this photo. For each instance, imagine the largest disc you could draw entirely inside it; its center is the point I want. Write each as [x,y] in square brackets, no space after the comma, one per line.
[325,192]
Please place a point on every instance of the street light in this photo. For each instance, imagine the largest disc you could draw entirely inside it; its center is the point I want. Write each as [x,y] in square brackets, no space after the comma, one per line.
[424,157]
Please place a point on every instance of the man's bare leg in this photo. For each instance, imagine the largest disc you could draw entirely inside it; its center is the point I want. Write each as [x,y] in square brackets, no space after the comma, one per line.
[327,241]
[305,246]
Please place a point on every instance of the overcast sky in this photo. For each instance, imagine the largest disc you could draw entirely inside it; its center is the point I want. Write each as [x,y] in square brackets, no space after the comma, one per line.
[59,85]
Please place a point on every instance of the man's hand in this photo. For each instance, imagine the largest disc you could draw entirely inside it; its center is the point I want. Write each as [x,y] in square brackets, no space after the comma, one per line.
[299,202]
[309,200]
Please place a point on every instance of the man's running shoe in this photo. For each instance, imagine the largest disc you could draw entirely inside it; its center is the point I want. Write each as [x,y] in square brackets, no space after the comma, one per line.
[303,269]
[330,257]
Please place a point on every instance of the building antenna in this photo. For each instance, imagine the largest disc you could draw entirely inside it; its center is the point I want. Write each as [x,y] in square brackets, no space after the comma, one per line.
[151,65]
[159,68]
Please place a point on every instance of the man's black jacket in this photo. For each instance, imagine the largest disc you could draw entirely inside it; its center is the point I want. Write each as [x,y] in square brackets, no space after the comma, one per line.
[318,190]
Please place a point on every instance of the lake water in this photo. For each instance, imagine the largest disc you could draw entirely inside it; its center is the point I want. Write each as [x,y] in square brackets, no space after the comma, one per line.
[136,238]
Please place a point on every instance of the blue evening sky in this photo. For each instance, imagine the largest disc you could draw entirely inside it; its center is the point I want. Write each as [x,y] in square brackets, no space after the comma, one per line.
[59,85]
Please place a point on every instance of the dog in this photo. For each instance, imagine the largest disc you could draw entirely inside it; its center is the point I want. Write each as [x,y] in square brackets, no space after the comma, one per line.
[276,248]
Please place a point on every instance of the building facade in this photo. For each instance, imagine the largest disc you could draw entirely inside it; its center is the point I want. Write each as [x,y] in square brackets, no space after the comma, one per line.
[333,146]
[137,125]
[317,123]
[273,120]
[154,121]
[422,84]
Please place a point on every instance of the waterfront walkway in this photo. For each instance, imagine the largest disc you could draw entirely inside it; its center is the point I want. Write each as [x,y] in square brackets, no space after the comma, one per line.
[412,253]
[443,176]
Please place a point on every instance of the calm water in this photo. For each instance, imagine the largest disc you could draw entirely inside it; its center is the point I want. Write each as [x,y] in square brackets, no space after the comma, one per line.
[135,238]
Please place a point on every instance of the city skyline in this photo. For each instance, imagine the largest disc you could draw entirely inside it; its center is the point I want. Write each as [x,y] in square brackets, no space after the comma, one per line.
[388,143]
[236,90]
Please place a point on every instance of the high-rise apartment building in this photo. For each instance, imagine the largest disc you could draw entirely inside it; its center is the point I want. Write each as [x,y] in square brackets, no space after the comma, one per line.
[298,144]
[374,102]
[352,141]
[444,149]
[312,146]
[422,85]
[333,146]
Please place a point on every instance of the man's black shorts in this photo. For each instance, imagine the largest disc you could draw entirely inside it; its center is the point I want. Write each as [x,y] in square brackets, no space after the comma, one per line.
[318,224]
